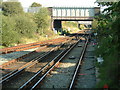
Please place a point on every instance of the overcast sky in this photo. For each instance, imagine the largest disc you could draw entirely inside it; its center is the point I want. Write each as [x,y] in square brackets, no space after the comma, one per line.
[51,3]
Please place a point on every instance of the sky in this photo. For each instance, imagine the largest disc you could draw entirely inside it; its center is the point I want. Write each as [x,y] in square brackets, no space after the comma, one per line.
[51,3]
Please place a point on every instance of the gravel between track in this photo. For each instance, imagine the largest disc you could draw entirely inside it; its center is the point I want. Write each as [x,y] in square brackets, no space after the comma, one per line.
[60,77]
[16,83]
[10,56]
[86,77]
[24,61]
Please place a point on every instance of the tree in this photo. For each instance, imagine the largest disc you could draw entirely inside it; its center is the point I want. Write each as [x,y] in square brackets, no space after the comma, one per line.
[42,19]
[108,42]
[11,8]
[35,5]
[8,35]
[25,26]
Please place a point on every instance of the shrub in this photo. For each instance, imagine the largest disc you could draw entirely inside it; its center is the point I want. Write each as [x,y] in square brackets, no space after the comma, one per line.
[108,40]
[25,26]
[11,8]
[9,36]
[94,24]
[34,4]
[42,19]
[15,28]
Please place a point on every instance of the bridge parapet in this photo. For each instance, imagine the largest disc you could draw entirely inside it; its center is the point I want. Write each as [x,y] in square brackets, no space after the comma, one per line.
[70,12]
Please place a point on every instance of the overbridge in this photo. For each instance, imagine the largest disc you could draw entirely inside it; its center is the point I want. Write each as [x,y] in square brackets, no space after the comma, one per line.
[59,14]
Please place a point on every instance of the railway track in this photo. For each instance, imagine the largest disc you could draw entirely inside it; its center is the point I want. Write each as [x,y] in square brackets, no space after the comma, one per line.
[20,65]
[31,45]
[34,82]
[8,67]
[64,77]
[12,74]
[20,60]
[72,83]
[26,68]
[59,64]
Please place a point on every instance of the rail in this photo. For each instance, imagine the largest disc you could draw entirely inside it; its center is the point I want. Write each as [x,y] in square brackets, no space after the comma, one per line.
[78,65]
[12,74]
[54,62]
[30,46]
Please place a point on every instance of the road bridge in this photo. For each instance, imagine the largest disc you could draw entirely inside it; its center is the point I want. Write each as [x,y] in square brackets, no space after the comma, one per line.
[59,14]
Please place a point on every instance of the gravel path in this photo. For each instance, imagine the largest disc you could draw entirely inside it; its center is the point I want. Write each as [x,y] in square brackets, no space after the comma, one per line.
[61,76]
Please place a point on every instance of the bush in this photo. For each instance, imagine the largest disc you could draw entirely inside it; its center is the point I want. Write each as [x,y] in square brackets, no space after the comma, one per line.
[35,5]
[42,19]
[9,35]
[108,40]
[15,28]
[94,24]
[11,8]
[25,26]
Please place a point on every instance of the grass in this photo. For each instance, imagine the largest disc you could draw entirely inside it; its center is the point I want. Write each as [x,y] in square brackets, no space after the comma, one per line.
[72,27]
[37,39]
[2,47]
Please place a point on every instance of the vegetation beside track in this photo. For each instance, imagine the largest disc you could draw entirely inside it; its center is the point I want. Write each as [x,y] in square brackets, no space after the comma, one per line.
[71,26]
[19,27]
[107,28]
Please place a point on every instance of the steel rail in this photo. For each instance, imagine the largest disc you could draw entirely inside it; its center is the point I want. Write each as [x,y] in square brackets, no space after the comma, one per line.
[78,65]
[21,57]
[31,45]
[44,75]
[12,74]
[5,76]
[40,71]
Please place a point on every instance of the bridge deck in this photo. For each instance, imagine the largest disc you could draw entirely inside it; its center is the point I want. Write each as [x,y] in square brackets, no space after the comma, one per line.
[72,18]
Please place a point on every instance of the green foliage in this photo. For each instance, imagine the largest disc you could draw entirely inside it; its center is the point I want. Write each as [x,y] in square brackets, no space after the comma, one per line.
[63,32]
[70,24]
[25,26]
[66,32]
[108,41]
[8,35]
[0,4]
[42,19]
[11,8]
[17,27]
[35,5]
[94,24]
